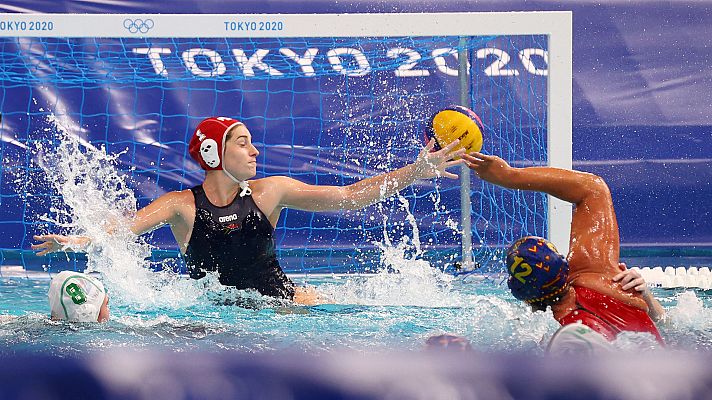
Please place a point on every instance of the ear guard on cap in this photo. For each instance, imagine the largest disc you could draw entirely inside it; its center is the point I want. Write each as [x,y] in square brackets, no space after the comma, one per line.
[207,146]
[209,153]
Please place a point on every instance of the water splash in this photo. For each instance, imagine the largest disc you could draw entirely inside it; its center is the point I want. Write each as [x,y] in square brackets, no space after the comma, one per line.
[689,311]
[402,277]
[689,323]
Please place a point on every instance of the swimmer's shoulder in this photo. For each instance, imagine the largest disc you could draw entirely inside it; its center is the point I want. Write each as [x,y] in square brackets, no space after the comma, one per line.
[181,202]
[272,182]
[178,197]
[603,283]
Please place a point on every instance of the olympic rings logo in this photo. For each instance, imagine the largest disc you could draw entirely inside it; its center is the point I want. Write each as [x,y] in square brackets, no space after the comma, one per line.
[138,25]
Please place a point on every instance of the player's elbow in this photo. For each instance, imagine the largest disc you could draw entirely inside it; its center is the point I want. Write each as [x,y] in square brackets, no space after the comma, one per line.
[589,187]
[599,186]
[595,186]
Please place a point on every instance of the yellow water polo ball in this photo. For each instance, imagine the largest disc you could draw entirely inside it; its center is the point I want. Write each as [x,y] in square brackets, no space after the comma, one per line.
[456,122]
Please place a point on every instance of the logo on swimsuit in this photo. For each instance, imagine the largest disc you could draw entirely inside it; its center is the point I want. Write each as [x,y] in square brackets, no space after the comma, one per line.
[228,218]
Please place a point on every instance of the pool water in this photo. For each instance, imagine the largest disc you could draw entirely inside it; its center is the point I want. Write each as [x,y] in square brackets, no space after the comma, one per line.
[372,313]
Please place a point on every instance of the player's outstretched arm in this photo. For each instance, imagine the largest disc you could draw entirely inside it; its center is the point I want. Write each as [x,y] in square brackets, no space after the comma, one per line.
[363,193]
[594,243]
[568,185]
[163,210]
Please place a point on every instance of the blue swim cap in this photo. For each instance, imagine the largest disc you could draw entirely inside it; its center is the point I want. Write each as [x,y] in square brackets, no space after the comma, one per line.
[537,272]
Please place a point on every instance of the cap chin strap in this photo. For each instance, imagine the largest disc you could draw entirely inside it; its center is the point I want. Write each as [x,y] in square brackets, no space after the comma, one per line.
[246,190]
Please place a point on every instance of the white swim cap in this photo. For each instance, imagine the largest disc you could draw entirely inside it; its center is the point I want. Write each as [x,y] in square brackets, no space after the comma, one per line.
[76,297]
[578,339]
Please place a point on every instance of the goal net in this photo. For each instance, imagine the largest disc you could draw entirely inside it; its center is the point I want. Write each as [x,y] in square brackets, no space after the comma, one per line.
[329,100]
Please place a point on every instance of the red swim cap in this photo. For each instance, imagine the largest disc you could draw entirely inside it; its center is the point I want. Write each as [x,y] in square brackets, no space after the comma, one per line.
[207,145]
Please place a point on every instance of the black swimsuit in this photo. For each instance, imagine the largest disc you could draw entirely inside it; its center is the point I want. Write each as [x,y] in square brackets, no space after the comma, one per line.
[237,241]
